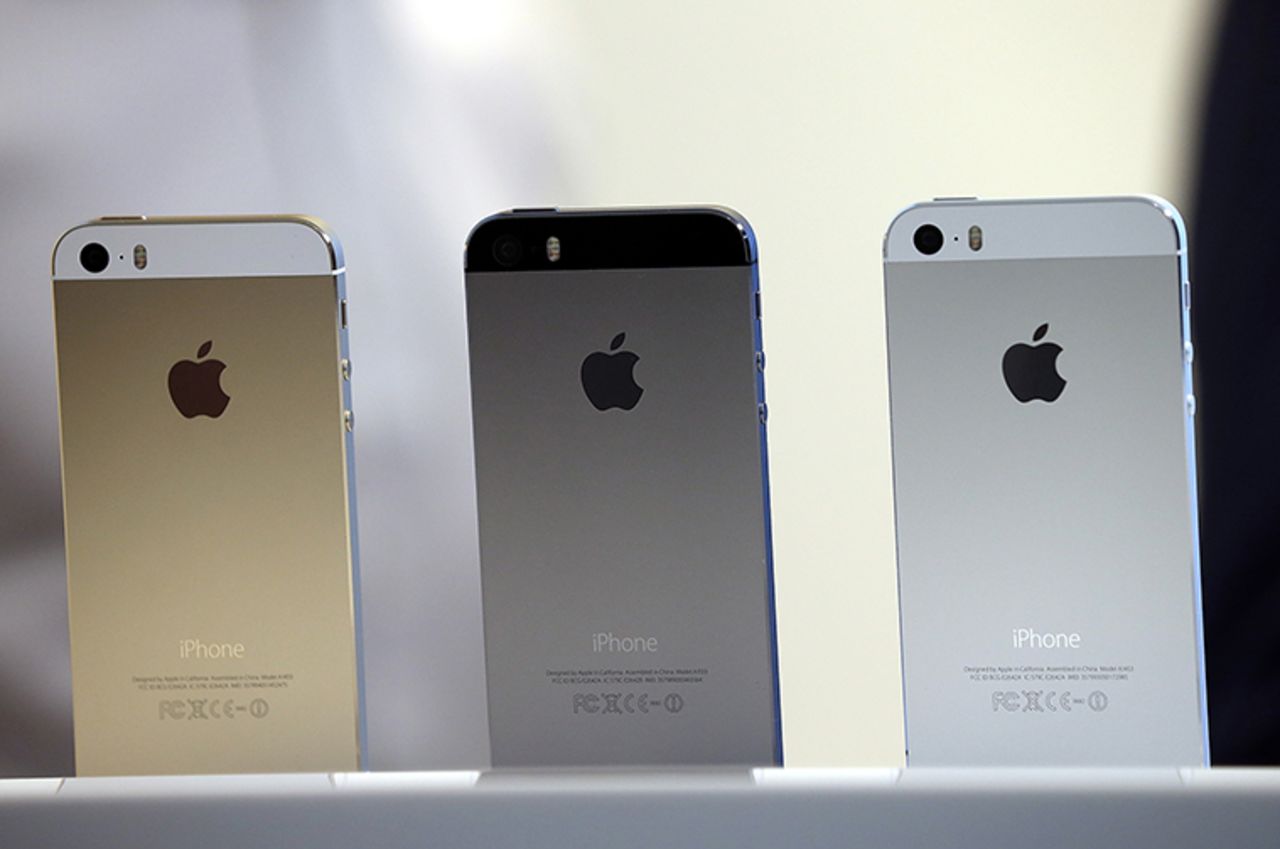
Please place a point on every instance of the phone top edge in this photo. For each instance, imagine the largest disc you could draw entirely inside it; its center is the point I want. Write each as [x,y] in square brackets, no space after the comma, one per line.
[1039,228]
[619,237]
[202,246]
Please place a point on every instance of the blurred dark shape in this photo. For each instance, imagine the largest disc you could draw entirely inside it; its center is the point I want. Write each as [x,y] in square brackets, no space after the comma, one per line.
[1236,325]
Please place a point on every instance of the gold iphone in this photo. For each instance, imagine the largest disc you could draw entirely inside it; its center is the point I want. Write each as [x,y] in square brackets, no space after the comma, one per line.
[209,496]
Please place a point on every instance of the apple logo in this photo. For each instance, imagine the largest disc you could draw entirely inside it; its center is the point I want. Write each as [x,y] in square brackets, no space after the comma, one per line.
[1031,371]
[608,379]
[196,388]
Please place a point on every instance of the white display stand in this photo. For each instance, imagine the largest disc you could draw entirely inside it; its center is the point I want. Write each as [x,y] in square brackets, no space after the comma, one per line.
[913,809]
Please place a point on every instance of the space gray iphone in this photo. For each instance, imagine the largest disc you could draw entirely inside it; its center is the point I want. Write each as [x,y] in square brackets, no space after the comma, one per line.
[1042,420]
[618,403]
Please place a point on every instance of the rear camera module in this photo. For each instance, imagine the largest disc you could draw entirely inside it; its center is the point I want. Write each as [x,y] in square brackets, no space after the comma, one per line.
[94,258]
[507,250]
[928,239]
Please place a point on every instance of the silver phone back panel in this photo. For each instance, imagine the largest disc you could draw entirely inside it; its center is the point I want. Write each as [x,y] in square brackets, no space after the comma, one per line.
[1071,517]
[647,524]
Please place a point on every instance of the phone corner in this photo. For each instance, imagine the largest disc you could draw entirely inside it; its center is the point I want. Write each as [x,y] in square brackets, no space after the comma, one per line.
[895,220]
[57,245]
[323,231]
[474,232]
[751,245]
[1164,213]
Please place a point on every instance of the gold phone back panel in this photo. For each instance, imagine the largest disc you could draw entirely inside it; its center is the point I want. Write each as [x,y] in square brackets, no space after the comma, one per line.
[209,544]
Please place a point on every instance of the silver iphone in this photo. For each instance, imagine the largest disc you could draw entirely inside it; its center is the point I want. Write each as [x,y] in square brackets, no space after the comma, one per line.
[1044,479]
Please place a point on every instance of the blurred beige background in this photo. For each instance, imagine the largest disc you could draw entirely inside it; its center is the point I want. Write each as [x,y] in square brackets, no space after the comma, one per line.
[403,122]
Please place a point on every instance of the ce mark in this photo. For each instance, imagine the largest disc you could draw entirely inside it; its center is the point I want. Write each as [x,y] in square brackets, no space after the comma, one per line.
[1055,701]
[631,703]
[1040,701]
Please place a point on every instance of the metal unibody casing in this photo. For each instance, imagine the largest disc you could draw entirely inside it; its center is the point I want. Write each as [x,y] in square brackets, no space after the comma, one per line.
[646,524]
[191,529]
[1023,523]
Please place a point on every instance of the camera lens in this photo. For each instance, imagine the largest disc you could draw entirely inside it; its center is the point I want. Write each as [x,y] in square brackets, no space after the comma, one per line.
[507,250]
[94,257]
[928,239]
